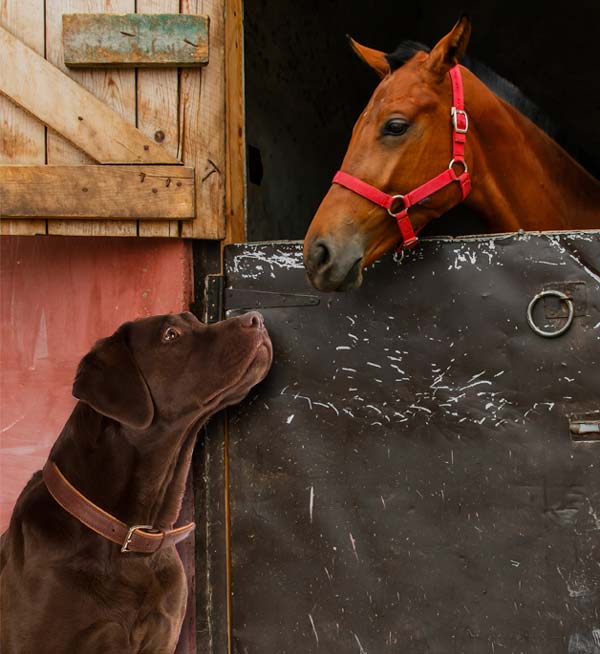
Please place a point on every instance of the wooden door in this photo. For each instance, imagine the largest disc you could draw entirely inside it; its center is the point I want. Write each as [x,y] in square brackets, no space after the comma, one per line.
[111,151]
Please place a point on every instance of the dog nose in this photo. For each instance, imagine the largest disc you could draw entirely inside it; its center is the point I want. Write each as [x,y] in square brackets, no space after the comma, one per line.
[252,320]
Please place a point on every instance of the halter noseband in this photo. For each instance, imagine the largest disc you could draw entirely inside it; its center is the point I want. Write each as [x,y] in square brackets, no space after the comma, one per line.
[460,127]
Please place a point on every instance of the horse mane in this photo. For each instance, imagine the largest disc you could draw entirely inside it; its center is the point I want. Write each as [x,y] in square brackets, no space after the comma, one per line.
[502,88]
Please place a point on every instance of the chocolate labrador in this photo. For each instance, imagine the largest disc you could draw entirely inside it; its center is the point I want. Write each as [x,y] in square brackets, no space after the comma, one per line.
[88,563]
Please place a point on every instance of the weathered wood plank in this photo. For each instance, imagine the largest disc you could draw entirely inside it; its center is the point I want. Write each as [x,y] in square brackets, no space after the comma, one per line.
[108,192]
[157,111]
[202,116]
[149,40]
[22,138]
[50,95]
[235,194]
[116,88]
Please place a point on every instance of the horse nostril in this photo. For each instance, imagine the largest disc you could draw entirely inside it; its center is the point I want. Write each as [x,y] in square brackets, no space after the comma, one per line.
[253,319]
[320,255]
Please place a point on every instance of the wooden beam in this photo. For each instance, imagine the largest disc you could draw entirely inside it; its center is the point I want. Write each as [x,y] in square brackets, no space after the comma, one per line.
[235,131]
[201,118]
[54,98]
[158,111]
[22,138]
[113,87]
[148,40]
[92,192]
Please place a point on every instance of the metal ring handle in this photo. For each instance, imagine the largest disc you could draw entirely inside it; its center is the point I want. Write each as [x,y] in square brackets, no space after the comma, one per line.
[462,162]
[563,329]
[394,198]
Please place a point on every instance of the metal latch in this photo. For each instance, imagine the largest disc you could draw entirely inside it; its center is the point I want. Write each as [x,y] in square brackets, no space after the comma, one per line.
[585,428]
[238,300]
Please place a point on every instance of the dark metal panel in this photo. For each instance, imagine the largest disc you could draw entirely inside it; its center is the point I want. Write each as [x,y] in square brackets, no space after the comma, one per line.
[405,479]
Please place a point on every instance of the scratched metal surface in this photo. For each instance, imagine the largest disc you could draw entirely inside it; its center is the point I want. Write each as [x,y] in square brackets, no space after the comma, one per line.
[405,480]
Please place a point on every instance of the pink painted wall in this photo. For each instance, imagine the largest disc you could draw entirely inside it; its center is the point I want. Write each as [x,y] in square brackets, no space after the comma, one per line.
[58,295]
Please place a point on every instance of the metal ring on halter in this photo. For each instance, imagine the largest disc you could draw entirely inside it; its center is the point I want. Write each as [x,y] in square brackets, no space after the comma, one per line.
[561,330]
[463,162]
[394,198]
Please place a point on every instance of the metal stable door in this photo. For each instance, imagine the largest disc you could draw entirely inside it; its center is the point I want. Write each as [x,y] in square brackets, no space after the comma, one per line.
[420,471]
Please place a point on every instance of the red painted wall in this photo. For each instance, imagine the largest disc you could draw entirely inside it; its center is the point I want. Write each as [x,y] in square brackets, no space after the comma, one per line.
[58,295]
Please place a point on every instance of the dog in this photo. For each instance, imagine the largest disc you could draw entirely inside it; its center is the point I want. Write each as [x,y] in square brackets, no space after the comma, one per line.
[88,563]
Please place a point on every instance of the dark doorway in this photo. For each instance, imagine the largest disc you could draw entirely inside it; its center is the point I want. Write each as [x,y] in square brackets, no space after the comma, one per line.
[305,88]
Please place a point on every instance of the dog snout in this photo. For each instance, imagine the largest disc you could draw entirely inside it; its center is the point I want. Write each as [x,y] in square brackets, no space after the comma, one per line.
[252,320]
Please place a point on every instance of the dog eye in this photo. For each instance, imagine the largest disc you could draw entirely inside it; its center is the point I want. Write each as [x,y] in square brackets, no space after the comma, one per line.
[170,334]
[395,127]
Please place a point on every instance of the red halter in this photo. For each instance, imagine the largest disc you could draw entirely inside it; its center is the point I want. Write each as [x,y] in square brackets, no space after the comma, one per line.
[460,127]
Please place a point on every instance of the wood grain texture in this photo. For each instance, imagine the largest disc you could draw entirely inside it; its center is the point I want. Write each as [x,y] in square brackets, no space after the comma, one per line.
[158,111]
[116,88]
[202,120]
[43,90]
[150,40]
[22,137]
[109,192]
[235,131]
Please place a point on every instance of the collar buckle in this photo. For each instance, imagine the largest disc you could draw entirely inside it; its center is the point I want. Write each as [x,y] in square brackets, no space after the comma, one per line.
[127,541]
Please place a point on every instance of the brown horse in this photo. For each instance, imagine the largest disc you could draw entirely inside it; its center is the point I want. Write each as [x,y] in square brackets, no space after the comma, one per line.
[520,178]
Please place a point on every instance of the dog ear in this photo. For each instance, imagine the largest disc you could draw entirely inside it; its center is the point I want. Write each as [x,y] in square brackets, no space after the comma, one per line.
[109,381]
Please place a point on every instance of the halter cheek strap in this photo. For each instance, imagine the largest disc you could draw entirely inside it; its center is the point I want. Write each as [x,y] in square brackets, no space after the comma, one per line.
[460,127]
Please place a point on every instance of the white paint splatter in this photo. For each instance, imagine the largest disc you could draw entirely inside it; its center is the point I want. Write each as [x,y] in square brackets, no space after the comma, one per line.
[419,408]
[312,624]
[371,406]
[483,381]
[353,543]
[245,261]
[361,648]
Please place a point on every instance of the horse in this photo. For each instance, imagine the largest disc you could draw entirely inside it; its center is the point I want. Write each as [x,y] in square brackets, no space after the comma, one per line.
[434,135]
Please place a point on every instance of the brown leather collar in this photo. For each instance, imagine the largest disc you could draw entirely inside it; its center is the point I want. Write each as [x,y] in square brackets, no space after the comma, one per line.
[136,538]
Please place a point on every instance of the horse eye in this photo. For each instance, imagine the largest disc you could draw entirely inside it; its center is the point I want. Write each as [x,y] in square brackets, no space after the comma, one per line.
[170,334]
[395,127]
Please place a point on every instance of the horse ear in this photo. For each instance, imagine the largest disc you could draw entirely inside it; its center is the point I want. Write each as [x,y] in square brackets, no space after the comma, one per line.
[449,50]
[109,381]
[374,58]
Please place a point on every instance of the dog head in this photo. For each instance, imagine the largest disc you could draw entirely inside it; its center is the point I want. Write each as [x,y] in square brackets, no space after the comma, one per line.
[173,367]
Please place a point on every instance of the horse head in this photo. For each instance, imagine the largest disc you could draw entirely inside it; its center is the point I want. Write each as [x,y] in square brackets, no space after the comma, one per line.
[400,140]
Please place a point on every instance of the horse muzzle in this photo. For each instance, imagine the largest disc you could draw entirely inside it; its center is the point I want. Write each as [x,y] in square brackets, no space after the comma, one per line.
[333,268]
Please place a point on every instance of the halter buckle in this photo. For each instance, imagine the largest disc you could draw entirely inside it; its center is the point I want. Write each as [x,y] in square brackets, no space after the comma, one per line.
[455,113]
[125,546]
